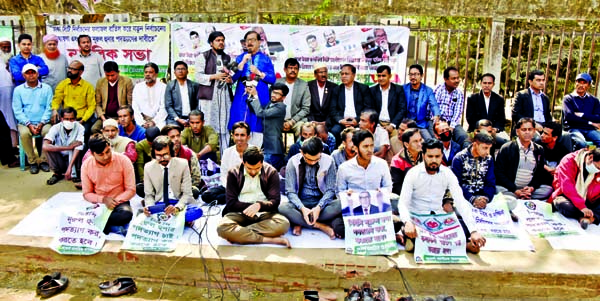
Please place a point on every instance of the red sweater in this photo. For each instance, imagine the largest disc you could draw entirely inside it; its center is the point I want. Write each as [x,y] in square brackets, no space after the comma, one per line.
[565,180]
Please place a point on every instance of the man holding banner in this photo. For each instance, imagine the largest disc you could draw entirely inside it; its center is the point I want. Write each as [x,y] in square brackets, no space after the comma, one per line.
[423,191]
[256,66]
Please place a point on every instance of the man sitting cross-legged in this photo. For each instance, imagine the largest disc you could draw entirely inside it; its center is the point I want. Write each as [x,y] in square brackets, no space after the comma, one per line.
[108,178]
[310,188]
[250,215]
[423,193]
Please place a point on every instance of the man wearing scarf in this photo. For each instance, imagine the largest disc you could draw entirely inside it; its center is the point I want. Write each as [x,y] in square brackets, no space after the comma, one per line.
[62,147]
[56,61]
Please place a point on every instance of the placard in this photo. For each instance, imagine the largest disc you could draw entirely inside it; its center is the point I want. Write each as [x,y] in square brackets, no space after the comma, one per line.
[80,230]
[440,239]
[157,232]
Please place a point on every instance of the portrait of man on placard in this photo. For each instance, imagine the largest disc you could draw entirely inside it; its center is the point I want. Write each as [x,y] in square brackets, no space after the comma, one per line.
[364,202]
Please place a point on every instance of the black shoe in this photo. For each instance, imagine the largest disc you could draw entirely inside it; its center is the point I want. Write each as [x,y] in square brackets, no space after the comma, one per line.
[45,167]
[54,179]
[76,180]
[34,169]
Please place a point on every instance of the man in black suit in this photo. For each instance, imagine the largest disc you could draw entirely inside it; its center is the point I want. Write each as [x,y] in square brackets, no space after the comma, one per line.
[487,104]
[389,100]
[177,104]
[365,207]
[351,98]
[321,95]
[532,102]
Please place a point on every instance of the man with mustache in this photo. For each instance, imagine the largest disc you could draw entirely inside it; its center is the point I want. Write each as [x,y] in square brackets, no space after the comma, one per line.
[6,90]
[346,150]
[298,100]
[321,93]
[25,56]
[76,92]
[149,99]
[92,61]
[423,191]
[56,61]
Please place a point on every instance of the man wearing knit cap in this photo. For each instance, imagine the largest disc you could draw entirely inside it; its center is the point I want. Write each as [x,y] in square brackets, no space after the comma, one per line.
[321,91]
[122,145]
[56,61]
[31,105]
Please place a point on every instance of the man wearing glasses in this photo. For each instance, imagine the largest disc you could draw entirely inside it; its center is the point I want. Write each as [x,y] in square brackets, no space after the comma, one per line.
[77,93]
[421,101]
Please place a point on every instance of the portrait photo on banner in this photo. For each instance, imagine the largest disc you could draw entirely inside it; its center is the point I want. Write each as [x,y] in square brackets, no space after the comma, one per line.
[365,202]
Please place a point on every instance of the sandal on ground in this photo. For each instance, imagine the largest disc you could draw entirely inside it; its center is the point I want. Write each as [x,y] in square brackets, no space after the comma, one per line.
[53,287]
[46,279]
[54,179]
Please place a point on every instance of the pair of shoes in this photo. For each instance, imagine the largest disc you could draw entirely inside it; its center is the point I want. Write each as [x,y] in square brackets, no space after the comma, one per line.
[514,217]
[45,167]
[354,294]
[54,179]
[46,279]
[34,169]
[53,287]
[118,287]
[584,223]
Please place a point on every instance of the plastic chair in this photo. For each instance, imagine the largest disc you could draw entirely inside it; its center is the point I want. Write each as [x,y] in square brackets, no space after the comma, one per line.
[22,156]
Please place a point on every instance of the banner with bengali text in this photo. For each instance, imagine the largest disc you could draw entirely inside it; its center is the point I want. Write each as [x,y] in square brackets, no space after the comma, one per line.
[365,47]
[538,219]
[80,230]
[440,239]
[157,233]
[131,45]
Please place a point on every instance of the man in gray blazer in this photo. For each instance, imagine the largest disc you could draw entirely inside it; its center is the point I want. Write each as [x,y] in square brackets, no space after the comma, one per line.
[176,188]
[181,96]
[298,102]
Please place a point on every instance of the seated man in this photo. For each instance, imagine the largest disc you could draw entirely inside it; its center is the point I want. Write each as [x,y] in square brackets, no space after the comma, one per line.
[581,111]
[520,169]
[202,139]
[167,179]
[327,137]
[405,160]
[144,153]
[423,192]
[554,150]
[273,115]
[181,151]
[62,146]
[487,104]
[486,125]
[112,92]
[396,145]
[308,131]
[369,121]
[109,179]
[442,132]
[31,103]
[577,187]
[346,150]
[474,169]
[310,188]
[253,195]
[121,145]
[127,126]
[232,156]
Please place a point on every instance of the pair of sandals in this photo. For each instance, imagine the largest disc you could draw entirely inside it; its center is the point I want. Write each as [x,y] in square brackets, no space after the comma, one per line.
[118,287]
[366,293]
[51,285]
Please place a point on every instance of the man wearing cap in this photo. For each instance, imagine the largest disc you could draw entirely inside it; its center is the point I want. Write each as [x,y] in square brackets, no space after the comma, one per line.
[298,100]
[25,56]
[56,61]
[6,90]
[112,92]
[92,61]
[77,93]
[581,112]
[321,94]
[122,145]
[31,105]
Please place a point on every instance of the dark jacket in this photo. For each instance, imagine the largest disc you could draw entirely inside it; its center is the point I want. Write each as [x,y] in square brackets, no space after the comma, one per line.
[396,102]
[359,210]
[523,107]
[173,99]
[476,110]
[273,115]
[362,101]
[399,167]
[454,149]
[507,164]
[320,112]
[588,105]
[269,184]
[464,167]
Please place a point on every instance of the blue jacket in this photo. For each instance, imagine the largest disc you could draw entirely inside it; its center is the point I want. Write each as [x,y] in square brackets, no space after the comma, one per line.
[427,105]
[17,62]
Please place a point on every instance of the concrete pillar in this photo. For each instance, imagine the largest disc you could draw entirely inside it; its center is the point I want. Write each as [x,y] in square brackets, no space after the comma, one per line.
[494,46]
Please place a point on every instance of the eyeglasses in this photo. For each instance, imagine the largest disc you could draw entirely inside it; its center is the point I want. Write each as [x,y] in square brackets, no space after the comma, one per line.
[414,74]
[75,69]
[277,93]
[251,40]
[163,157]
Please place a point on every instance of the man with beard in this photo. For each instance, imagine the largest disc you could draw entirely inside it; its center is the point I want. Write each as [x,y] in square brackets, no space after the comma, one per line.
[112,92]
[167,179]
[321,94]
[149,99]
[232,156]
[109,179]
[56,61]
[297,103]
[308,131]
[77,93]
[184,152]
[423,191]
[31,104]
[25,56]
[201,138]
[181,96]
[127,126]
[554,150]
[215,93]
[144,152]
[519,169]
[6,90]
[253,66]
[346,150]
[62,146]
[92,61]
[121,145]
[420,100]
